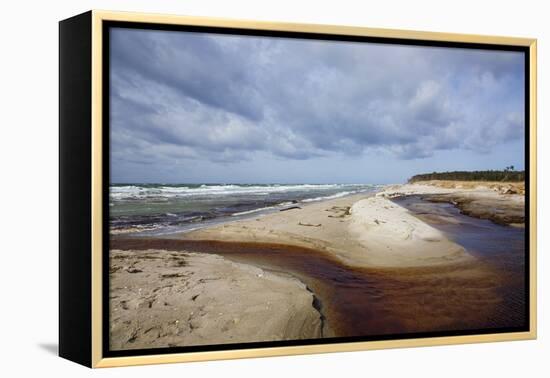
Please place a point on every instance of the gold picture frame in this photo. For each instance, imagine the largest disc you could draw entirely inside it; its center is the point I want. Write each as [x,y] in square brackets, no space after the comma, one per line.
[92,25]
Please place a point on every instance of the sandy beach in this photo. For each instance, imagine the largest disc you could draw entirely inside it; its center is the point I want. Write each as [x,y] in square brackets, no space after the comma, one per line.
[162,299]
[360,230]
[357,265]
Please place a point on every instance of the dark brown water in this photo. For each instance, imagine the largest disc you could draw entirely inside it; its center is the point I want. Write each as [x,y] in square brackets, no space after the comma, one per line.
[340,290]
[500,247]
[368,302]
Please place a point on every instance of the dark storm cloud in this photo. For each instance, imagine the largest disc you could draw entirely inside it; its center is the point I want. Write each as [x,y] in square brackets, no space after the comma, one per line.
[188,63]
[178,96]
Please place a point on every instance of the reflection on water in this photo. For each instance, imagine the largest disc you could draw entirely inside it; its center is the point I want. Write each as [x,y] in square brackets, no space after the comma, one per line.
[367,302]
[501,247]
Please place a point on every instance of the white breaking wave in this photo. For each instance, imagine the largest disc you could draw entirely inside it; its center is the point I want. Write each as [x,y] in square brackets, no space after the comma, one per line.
[252,211]
[143,192]
[336,195]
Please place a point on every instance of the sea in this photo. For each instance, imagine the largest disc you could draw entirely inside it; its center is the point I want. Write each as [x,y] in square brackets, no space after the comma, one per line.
[156,209]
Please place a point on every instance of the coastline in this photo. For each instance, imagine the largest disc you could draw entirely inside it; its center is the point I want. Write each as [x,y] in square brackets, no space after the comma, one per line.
[502,203]
[359,230]
[390,257]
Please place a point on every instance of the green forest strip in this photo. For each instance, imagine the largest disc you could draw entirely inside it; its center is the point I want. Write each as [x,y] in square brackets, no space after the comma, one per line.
[503,176]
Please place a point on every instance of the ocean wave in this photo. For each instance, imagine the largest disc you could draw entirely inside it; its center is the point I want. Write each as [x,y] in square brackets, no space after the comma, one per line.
[159,208]
[332,196]
[130,192]
[134,229]
[252,211]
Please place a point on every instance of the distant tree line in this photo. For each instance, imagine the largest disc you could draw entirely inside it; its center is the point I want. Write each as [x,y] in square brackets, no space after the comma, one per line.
[506,175]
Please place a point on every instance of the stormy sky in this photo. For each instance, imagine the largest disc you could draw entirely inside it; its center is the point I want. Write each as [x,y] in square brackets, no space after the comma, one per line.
[196,107]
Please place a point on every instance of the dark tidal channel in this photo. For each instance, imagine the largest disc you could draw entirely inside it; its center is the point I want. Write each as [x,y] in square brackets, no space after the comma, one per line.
[501,247]
[364,302]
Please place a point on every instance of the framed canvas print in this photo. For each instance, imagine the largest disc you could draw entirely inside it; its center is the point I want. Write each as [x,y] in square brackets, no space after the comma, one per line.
[234,189]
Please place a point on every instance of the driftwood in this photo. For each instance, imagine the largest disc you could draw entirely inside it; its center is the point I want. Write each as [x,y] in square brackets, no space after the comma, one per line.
[291,208]
[309,224]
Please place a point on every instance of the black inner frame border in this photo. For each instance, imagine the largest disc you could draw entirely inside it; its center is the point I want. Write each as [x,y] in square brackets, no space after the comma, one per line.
[106,27]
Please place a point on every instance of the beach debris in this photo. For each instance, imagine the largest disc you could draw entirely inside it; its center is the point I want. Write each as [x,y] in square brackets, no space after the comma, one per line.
[114,268]
[134,270]
[508,190]
[150,329]
[134,335]
[172,275]
[180,262]
[341,211]
[291,208]
[309,224]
